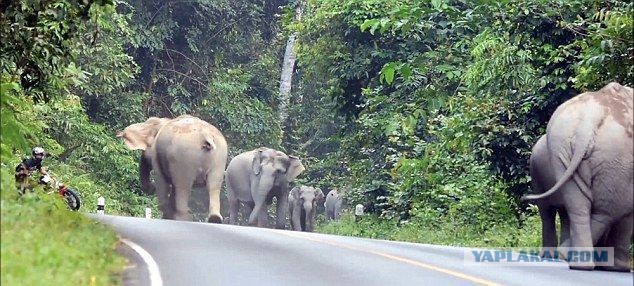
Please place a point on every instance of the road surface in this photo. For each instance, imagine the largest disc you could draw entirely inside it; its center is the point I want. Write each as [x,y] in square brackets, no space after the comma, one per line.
[173,253]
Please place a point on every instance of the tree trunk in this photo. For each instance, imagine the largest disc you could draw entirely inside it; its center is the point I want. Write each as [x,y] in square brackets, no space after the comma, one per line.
[286,77]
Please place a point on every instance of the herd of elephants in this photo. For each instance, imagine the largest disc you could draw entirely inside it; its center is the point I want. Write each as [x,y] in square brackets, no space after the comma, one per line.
[581,169]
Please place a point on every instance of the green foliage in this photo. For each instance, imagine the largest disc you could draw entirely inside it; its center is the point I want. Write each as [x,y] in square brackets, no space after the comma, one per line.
[12,124]
[38,38]
[607,48]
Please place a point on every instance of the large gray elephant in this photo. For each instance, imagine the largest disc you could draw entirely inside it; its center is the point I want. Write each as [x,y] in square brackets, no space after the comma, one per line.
[255,178]
[542,179]
[301,205]
[333,205]
[183,152]
[590,147]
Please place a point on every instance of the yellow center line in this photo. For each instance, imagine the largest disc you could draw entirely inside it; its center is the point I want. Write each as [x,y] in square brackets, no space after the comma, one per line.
[398,258]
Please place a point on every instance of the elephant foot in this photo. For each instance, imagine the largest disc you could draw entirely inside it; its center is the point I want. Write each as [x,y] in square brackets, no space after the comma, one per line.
[614,268]
[620,265]
[215,218]
[168,216]
[581,267]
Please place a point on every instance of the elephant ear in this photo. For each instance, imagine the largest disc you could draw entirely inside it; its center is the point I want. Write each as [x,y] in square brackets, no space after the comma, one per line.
[319,194]
[295,193]
[140,136]
[295,168]
[256,165]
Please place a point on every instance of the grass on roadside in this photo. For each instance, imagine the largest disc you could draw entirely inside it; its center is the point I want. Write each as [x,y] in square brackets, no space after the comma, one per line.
[446,234]
[45,244]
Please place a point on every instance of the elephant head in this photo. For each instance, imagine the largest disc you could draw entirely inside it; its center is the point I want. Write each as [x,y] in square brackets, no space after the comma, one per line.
[272,171]
[270,164]
[302,202]
[140,136]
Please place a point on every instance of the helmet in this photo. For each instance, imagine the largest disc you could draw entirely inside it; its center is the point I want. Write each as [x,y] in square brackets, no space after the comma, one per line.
[37,151]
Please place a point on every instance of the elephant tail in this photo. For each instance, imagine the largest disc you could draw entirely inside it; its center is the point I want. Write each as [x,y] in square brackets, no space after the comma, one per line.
[581,147]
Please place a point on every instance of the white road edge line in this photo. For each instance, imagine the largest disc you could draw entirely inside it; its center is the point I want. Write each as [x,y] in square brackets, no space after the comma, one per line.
[152,267]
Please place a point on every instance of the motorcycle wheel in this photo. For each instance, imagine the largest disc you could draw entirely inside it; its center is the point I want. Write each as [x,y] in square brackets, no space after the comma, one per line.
[72,199]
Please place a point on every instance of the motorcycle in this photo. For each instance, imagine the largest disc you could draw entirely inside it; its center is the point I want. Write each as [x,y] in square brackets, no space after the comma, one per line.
[70,196]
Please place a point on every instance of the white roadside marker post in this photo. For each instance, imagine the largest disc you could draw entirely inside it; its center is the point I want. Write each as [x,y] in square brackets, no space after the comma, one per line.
[358,212]
[148,213]
[101,205]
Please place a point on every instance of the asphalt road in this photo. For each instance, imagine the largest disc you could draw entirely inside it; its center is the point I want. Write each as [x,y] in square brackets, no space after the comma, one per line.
[187,253]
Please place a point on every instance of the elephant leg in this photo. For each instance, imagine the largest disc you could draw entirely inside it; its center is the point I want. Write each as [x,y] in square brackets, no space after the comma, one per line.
[214,182]
[619,237]
[263,217]
[255,213]
[145,167]
[338,207]
[282,209]
[163,190]
[549,231]
[599,225]
[564,232]
[578,208]
[182,191]
[564,239]
[290,213]
[234,205]
[248,210]
[172,201]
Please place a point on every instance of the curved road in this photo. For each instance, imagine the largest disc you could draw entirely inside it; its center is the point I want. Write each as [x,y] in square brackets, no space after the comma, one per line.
[190,253]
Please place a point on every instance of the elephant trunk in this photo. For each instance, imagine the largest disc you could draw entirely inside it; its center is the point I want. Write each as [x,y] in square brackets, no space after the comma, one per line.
[307,209]
[264,186]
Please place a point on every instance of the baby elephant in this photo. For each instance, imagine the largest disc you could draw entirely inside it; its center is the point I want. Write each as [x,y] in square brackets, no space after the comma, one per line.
[301,205]
[333,205]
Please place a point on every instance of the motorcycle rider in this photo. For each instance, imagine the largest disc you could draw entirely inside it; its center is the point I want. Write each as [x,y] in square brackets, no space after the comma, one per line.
[29,164]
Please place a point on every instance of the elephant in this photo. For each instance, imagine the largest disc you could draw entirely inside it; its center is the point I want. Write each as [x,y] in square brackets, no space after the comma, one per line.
[255,177]
[542,179]
[590,147]
[333,205]
[301,206]
[184,152]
